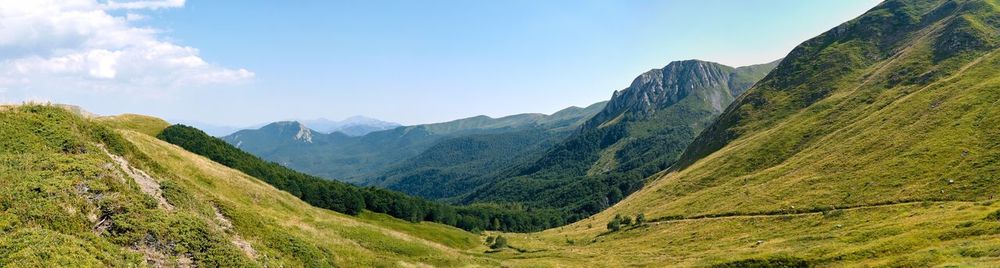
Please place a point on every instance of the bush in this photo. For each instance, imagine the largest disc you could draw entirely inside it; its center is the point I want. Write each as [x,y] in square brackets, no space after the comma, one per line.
[615,224]
[784,262]
[639,219]
[499,242]
[995,216]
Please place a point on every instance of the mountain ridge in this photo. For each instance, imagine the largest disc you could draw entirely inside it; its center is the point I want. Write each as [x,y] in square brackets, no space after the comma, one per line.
[359,159]
[893,113]
[640,132]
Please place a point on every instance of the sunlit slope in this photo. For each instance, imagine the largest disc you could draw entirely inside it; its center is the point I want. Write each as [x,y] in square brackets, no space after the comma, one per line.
[899,113]
[889,124]
[933,234]
[149,202]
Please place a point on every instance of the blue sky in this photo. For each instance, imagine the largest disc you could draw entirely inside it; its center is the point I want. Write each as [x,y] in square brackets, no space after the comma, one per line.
[244,62]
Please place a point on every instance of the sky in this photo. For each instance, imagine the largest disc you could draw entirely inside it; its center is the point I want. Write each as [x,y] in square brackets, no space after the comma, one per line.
[241,63]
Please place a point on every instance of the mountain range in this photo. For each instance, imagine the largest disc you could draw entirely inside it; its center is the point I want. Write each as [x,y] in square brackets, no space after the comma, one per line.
[873,144]
[359,159]
[641,131]
[352,126]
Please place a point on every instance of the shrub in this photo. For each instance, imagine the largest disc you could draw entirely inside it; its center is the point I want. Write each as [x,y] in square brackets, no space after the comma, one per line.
[615,224]
[995,216]
[499,242]
[789,262]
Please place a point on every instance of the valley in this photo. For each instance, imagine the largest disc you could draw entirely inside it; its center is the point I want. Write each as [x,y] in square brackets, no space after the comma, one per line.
[873,144]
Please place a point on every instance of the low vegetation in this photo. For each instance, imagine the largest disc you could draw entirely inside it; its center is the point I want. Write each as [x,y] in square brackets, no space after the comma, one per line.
[61,192]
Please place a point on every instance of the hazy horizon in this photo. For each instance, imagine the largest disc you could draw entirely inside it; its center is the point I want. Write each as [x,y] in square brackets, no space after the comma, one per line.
[231,63]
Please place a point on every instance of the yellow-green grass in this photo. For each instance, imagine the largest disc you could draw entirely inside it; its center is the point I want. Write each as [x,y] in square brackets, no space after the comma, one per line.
[864,144]
[845,129]
[141,123]
[64,201]
[264,215]
[902,235]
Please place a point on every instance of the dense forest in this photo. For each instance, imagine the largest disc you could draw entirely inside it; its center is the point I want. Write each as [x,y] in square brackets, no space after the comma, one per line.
[455,166]
[351,199]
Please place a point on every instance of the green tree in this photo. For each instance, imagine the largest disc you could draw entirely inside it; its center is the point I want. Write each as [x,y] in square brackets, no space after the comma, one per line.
[615,224]
[639,219]
[499,242]
[626,220]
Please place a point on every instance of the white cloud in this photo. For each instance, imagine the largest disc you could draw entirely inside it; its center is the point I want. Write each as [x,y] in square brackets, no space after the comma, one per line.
[78,45]
[135,16]
[145,4]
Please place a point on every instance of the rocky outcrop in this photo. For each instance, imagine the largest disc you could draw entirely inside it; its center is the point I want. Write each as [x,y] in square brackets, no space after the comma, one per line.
[717,85]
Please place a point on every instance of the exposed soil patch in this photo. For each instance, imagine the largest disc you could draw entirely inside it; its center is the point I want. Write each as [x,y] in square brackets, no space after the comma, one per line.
[146,183]
[227,226]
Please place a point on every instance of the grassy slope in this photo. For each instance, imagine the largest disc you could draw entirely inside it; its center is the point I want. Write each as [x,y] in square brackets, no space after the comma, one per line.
[50,159]
[867,142]
[906,235]
[260,211]
[899,105]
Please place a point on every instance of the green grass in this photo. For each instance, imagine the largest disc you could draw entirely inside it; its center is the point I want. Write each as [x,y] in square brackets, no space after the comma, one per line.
[881,110]
[910,235]
[445,235]
[140,123]
[874,145]
[301,234]
[65,203]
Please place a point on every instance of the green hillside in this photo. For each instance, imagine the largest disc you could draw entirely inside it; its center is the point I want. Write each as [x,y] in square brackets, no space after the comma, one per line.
[353,200]
[641,131]
[365,159]
[101,192]
[875,144]
[456,166]
[872,145]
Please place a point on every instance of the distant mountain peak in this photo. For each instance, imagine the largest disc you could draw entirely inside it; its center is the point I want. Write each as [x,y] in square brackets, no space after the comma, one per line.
[352,126]
[293,129]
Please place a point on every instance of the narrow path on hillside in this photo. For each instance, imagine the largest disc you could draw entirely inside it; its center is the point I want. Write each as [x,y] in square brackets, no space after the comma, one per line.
[147,184]
[669,219]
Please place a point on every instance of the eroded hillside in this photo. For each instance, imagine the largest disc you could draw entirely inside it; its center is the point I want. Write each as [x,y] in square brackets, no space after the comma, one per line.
[104,192]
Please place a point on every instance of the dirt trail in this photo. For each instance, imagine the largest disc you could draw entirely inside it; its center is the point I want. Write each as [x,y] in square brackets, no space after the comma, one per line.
[146,183]
[770,215]
[237,240]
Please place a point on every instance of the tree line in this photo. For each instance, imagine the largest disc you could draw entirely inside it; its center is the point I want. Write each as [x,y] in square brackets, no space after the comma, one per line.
[350,199]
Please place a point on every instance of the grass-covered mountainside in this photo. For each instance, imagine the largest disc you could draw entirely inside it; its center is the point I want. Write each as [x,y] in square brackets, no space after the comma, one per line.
[353,200]
[874,144]
[82,192]
[369,159]
[641,131]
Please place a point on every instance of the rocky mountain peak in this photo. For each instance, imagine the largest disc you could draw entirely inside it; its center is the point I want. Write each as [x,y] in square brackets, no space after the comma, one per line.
[293,129]
[661,87]
[715,83]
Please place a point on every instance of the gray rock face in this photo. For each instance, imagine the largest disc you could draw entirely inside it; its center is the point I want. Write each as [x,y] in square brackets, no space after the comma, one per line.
[668,85]
[716,84]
